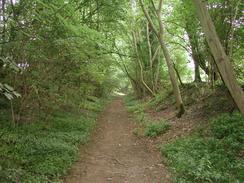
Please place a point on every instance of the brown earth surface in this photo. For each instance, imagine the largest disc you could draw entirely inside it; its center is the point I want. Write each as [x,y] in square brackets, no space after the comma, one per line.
[200,109]
[116,155]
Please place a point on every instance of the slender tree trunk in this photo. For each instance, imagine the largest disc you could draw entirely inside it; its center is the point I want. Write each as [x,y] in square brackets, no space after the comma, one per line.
[150,56]
[149,45]
[197,71]
[12,113]
[232,30]
[193,43]
[98,15]
[153,69]
[133,81]
[140,65]
[135,35]
[169,62]
[221,59]
[4,26]
[157,72]
[178,75]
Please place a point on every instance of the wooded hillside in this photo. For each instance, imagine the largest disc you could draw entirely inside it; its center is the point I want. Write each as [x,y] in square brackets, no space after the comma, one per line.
[62,61]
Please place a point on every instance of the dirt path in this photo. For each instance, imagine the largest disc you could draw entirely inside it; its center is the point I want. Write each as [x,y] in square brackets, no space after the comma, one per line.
[116,155]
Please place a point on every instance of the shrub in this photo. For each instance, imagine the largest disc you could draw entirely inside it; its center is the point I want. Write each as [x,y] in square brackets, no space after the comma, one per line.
[229,130]
[216,157]
[158,99]
[41,152]
[147,126]
[155,129]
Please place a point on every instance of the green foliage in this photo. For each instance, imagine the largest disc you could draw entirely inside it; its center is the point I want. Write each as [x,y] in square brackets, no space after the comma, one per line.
[155,129]
[64,52]
[8,91]
[59,54]
[159,99]
[147,126]
[214,156]
[8,66]
[134,105]
[41,152]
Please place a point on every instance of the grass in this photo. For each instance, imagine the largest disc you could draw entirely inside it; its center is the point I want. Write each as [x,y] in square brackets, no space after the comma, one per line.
[147,126]
[156,129]
[42,152]
[212,155]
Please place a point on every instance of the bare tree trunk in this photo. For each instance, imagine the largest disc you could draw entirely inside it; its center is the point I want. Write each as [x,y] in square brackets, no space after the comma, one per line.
[178,75]
[221,59]
[150,56]
[12,113]
[98,15]
[140,65]
[157,72]
[195,58]
[135,35]
[232,30]
[4,25]
[169,62]
[149,45]
[156,53]
[197,70]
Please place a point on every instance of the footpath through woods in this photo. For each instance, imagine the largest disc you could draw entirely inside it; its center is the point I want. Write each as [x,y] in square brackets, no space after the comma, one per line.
[116,155]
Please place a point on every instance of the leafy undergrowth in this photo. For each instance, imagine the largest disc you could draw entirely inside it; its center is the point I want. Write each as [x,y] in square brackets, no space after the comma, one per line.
[147,126]
[155,129]
[212,155]
[197,97]
[42,152]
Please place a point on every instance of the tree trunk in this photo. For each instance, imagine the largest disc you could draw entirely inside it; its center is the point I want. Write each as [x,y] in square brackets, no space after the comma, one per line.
[157,72]
[4,26]
[178,75]
[140,65]
[193,44]
[221,59]
[197,71]
[169,62]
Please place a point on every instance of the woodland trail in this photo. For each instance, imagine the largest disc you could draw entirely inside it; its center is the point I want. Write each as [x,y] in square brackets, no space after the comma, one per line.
[116,155]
